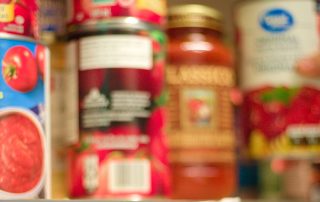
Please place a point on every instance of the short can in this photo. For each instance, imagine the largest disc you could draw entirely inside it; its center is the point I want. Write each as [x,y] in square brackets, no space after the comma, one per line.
[96,11]
[19,17]
[120,77]
[277,41]
[24,136]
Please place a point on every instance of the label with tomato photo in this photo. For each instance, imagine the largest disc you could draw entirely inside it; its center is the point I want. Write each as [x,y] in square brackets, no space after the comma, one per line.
[23,120]
[121,149]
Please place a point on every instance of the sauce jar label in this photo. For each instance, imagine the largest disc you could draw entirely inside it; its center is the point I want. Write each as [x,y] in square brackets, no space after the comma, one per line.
[200,111]
[281,115]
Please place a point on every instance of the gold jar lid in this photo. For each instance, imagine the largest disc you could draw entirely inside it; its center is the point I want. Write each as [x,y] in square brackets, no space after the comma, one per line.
[194,15]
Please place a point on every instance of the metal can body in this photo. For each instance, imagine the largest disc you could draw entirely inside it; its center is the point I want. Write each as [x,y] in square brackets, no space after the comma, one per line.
[24,119]
[281,115]
[93,11]
[120,76]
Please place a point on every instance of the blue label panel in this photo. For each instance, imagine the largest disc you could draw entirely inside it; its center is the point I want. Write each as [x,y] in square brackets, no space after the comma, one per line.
[21,83]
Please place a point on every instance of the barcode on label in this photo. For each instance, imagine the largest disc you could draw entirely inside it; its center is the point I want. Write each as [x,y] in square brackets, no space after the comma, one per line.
[129,176]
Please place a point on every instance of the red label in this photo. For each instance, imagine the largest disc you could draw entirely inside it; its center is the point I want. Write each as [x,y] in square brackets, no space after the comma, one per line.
[83,11]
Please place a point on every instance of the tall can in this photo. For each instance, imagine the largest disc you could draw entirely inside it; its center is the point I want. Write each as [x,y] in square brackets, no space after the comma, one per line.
[276,40]
[24,118]
[19,17]
[200,77]
[94,11]
[121,148]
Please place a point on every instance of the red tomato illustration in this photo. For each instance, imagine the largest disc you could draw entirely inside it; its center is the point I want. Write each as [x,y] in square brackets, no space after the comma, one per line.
[41,59]
[19,69]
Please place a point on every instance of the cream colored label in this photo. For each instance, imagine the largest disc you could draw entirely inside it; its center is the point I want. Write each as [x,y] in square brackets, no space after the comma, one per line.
[6,12]
[115,51]
[71,95]
[200,110]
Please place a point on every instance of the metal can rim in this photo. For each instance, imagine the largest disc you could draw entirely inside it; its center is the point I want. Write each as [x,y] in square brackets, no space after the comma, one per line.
[8,36]
[111,24]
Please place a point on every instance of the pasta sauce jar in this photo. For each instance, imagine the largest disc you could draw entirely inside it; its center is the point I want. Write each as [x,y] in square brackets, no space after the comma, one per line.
[200,127]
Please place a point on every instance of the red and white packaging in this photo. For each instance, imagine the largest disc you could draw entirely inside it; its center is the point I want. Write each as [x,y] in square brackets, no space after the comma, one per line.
[19,17]
[116,89]
[94,11]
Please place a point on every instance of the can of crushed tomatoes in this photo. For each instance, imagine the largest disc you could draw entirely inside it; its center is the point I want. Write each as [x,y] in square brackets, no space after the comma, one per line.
[95,11]
[121,149]
[24,137]
[19,17]
[278,40]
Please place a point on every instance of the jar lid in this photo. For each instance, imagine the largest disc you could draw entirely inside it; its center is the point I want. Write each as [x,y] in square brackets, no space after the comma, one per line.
[194,15]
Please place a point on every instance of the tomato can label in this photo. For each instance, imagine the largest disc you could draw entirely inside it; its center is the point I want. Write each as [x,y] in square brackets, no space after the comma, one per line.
[18,18]
[281,115]
[122,149]
[93,11]
[24,137]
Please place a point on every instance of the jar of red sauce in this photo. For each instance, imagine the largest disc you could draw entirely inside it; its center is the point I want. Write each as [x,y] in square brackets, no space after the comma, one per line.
[200,76]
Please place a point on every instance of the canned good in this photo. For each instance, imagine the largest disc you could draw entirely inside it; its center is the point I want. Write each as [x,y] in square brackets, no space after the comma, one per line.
[24,137]
[281,105]
[52,17]
[120,74]
[18,17]
[94,11]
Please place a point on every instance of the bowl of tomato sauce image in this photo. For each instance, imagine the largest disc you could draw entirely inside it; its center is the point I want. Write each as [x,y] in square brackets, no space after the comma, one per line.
[22,154]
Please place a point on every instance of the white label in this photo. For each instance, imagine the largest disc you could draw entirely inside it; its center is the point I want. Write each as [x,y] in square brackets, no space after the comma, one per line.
[71,95]
[274,36]
[91,176]
[130,176]
[115,51]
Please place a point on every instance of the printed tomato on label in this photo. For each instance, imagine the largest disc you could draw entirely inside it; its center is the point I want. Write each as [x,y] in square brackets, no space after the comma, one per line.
[19,69]
[158,79]
[77,156]
[41,59]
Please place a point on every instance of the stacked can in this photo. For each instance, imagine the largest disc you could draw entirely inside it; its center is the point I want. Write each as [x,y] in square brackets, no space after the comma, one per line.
[24,142]
[116,75]
[52,14]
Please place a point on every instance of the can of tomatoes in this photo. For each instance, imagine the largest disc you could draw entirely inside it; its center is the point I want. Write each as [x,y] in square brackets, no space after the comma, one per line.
[96,11]
[121,149]
[52,17]
[19,17]
[278,43]
[24,132]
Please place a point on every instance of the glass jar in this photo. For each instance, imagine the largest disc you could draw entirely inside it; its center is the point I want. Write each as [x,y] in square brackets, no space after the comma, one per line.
[200,76]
